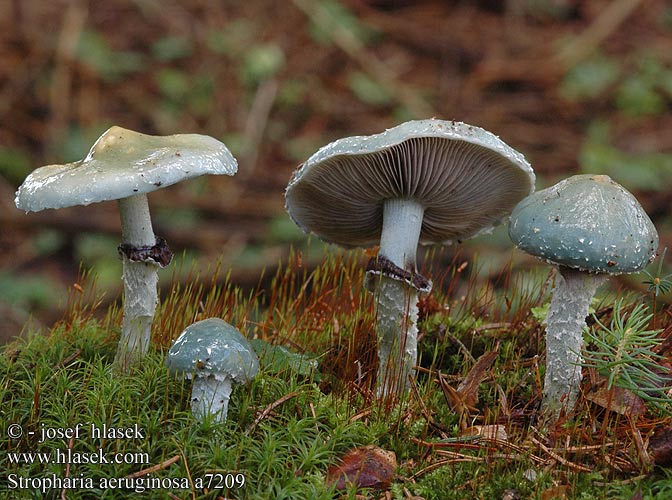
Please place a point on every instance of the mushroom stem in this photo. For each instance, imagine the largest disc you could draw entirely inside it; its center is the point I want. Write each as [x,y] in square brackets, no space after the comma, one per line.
[397,310]
[396,317]
[210,396]
[402,222]
[136,222]
[566,318]
[140,283]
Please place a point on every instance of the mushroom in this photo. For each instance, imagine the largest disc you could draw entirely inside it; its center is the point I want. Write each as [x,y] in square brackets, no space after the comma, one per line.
[125,165]
[426,181]
[590,227]
[214,354]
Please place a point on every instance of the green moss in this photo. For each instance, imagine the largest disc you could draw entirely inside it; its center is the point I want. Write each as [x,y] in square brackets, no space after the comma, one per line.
[287,427]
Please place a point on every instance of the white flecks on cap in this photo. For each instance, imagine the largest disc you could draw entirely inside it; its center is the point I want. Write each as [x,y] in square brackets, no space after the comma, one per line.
[466,178]
[213,347]
[586,222]
[124,163]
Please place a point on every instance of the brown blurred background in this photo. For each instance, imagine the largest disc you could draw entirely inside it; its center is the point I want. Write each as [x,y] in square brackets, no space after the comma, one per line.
[577,86]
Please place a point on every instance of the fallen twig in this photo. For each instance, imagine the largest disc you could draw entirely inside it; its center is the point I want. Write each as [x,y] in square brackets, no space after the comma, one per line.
[457,457]
[611,17]
[423,408]
[69,359]
[154,468]
[558,458]
[270,408]
[186,468]
[67,469]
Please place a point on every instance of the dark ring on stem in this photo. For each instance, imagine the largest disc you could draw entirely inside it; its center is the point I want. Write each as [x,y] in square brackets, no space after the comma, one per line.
[381,265]
[158,254]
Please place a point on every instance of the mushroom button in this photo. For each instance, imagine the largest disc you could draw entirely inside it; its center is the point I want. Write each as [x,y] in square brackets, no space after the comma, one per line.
[590,227]
[214,354]
[125,165]
[427,181]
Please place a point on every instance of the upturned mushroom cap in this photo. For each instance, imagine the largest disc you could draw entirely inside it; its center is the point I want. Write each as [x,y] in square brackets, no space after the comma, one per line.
[124,163]
[586,222]
[466,179]
[213,347]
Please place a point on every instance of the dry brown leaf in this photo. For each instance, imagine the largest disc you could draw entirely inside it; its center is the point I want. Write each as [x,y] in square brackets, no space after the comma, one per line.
[497,432]
[660,446]
[555,493]
[465,397]
[366,467]
[511,495]
[616,399]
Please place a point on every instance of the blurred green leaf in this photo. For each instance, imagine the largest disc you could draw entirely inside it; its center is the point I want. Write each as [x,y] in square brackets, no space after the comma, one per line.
[173,83]
[278,359]
[665,20]
[182,217]
[218,42]
[589,79]
[644,171]
[338,16]
[638,96]
[111,65]
[77,142]
[234,141]
[642,93]
[367,90]
[94,246]
[402,114]
[29,291]
[299,148]
[14,165]
[281,229]
[292,92]
[47,241]
[200,99]
[239,34]
[171,48]
[262,62]
[184,93]
[665,83]
[249,257]
[99,252]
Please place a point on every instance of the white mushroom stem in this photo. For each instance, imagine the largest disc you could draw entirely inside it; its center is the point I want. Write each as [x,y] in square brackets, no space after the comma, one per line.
[397,309]
[210,395]
[140,283]
[565,321]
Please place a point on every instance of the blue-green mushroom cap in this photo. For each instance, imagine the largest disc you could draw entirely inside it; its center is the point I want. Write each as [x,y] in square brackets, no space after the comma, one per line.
[586,222]
[213,347]
[124,163]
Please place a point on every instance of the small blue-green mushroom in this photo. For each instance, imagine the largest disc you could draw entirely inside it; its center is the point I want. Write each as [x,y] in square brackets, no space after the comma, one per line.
[590,227]
[214,354]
